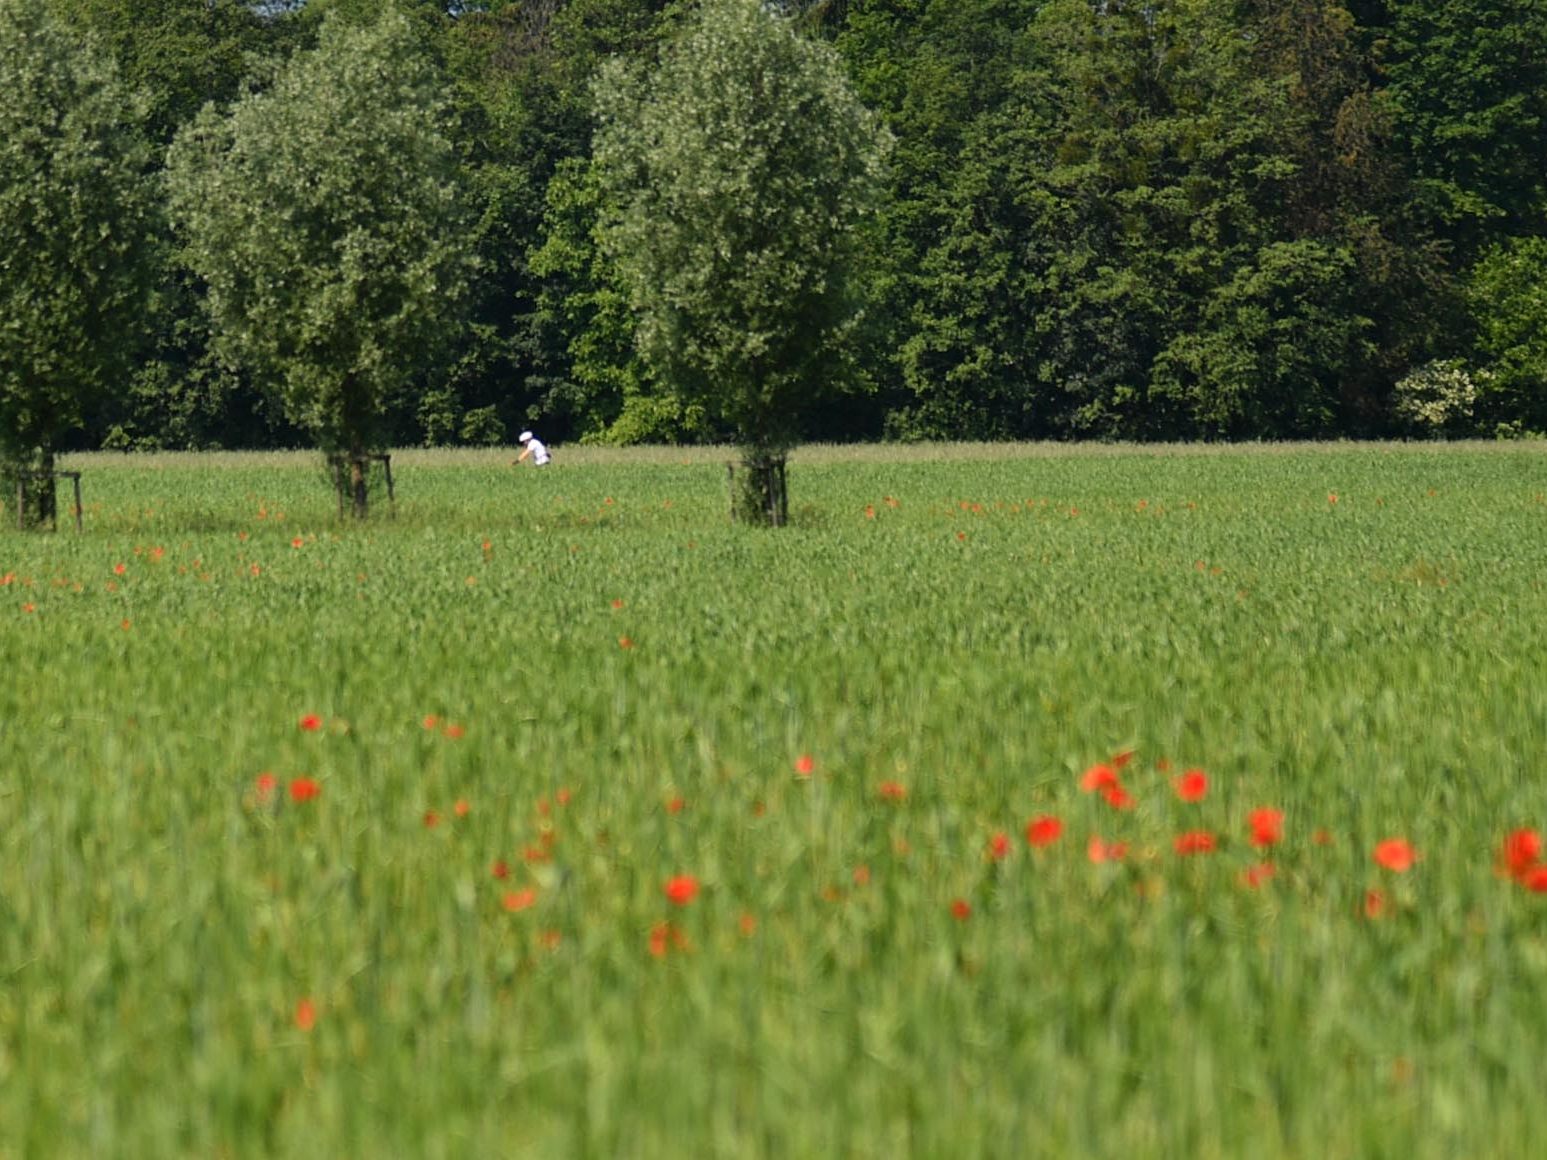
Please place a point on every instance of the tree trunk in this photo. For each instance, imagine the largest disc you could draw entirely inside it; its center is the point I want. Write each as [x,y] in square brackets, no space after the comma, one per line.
[358,479]
[759,496]
[32,477]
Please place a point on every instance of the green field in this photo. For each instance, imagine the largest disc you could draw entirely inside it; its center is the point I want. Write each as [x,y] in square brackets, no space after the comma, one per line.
[584,679]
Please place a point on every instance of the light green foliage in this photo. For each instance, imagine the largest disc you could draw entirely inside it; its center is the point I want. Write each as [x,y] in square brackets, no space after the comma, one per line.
[1508,299]
[323,215]
[1371,667]
[74,229]
[737,171]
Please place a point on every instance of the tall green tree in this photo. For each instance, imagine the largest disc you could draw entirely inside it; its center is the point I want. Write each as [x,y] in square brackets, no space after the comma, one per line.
[1468,82]
[323,215]
[522,75]
[179,54]
[1508,292]
[739,169]
[74,237]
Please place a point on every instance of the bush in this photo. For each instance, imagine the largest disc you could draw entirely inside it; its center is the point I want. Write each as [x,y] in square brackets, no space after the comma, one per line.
[1438,399]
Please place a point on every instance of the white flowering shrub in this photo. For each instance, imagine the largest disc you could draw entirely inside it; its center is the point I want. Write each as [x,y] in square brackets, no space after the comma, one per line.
[1438,398]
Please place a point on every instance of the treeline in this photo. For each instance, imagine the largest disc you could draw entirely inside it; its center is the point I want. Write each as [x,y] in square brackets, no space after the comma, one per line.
[1180,219]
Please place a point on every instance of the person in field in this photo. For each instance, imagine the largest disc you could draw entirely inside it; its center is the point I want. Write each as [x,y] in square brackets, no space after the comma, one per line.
[535,447]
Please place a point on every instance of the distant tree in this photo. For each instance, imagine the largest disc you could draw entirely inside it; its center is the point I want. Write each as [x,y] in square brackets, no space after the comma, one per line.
[1508,292]
[738,170]
[178,53]
[1468,80]
[74,238]
[522,74]
[608,384]
[323,215]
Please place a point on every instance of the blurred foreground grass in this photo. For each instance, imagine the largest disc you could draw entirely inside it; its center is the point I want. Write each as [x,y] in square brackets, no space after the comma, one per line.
[540,695]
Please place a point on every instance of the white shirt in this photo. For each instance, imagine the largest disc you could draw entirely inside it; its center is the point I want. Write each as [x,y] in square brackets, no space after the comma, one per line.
[539,450]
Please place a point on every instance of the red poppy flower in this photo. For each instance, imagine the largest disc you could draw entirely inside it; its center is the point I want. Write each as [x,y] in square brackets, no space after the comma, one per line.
[1098,777]
[518,900]
[1117,797]
[562,796]
[1535,880]
[892,791]
[500,869]
[461,808]
[1520,853]
[681,889]
[1099,851]
[1396,855]
[999,847]
[660,933]
[1195,842]
[454,731]
[664,937]
[1192,785]
[305,1015]
[616,604]
[675,805]
[625,642]
[297,542]
[1255,876]
[861,876]
[748,925]
[1374,904]
[1119,760]
[268,784]
[120,569]
[805,765]
[431,819]
[870,511]
[310,723]
[1321,838]
[961,910]
[303,789]
[1267,826]
[1043,831]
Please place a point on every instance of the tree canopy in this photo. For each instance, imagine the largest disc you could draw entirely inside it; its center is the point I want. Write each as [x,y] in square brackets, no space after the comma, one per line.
[1175,219]
[74,233]
[737,170]
[323,216]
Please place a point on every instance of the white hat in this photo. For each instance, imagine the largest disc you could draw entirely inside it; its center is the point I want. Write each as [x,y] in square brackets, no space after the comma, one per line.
[524,437]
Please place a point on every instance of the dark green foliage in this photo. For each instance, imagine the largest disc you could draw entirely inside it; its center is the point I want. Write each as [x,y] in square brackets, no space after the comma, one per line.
[75,240]
[324,220]
[1170,219]
[1468,79]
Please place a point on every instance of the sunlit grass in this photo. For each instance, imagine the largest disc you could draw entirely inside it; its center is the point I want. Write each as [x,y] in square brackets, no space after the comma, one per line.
[591,683]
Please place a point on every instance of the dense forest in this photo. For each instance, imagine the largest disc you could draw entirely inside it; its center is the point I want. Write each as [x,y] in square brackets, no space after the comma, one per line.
[1101,219]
